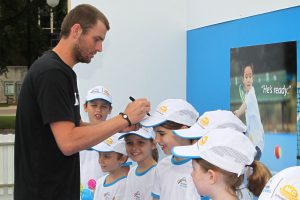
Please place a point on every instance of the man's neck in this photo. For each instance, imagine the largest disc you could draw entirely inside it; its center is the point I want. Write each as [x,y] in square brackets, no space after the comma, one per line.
[64,50]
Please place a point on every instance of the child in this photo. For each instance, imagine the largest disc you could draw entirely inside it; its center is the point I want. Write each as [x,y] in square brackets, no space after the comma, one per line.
[173,175]
[141,149]
[220,158]
[112,156]
[249,106]
[285,185]
[98,107]
[217,119]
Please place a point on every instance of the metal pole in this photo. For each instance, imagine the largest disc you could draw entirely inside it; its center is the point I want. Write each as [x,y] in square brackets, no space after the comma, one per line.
[51,20]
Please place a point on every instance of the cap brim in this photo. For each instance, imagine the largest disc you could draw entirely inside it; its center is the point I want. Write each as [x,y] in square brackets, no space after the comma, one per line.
[98,96]
[140,135]
[101,148]
[152,121]
[190,151]
[190,133]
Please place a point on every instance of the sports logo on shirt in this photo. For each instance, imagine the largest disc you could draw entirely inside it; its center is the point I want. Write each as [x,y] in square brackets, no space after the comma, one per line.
[76,99]
[137,196]
[107,196]
[289,192]
[182,182]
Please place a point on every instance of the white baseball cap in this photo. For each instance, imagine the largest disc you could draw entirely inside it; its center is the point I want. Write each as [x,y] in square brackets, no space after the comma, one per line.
[176,110]
[98,92]
[112,144]
[211,120]
[225,148]
[285,185]
[146,133]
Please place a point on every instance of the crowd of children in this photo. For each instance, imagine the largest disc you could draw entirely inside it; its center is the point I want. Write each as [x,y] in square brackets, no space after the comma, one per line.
[206,157]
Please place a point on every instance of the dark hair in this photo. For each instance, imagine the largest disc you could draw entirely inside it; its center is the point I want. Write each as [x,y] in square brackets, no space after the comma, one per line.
[172,125]
[247,65]
[256,181]
[155,154]
[107,102]
[85,15]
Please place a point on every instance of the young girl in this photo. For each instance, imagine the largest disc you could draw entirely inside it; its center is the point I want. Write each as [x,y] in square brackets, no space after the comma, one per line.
[173,175]
[140,148]
[220,160]
[98,107]
[112,156]
[255,129]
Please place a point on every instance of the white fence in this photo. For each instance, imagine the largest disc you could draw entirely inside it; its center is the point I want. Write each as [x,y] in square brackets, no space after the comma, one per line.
[6,166]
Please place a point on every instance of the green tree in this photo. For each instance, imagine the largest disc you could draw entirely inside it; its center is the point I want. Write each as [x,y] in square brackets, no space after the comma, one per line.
[22,39]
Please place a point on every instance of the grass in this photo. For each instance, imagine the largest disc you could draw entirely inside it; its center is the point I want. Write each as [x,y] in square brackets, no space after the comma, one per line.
[7,122]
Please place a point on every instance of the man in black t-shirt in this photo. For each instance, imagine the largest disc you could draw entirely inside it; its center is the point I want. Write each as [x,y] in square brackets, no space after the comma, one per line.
[49,130]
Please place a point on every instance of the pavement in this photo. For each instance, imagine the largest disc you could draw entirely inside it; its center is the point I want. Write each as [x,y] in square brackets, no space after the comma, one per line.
[8,111]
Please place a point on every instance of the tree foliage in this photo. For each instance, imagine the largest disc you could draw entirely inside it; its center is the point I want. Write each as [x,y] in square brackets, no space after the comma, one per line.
[22,39]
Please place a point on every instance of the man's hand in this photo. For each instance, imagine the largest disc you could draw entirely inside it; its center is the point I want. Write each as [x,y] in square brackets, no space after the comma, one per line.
[137,110]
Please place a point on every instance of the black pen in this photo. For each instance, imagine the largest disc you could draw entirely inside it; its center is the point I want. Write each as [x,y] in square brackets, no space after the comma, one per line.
[133,99]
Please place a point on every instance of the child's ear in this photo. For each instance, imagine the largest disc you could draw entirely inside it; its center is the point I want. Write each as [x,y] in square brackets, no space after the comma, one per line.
[110,109]
[124,159]
[212,176]
[85,107]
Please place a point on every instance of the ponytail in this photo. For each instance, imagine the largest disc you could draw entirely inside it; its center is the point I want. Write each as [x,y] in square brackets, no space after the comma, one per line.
[155,155]
[259,178]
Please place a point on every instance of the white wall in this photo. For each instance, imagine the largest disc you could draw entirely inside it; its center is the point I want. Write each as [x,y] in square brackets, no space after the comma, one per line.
[144,52]
[203,13]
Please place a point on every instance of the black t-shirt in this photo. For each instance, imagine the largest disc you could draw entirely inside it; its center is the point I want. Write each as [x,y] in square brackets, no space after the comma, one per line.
[49,94]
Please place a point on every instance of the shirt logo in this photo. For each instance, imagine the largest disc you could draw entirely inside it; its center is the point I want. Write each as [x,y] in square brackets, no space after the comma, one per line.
[182,182]
[289,192]
[137,196]
[76,99]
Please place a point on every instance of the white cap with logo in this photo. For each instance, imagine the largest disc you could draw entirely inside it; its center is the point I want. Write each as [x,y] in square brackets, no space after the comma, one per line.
[146,133]
[211,120]
[98,92]
[225,148]
[176,110]
[111,144]
[285,185]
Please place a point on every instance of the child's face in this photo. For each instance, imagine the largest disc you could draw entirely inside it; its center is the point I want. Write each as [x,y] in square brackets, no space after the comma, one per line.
[199,176]
[166,139]
[97,110]
[138,148]
[248,78]
[110,161]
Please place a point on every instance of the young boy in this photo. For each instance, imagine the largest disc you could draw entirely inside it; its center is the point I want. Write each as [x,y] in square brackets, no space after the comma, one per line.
[98,107]
[173,175]
[112,156]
